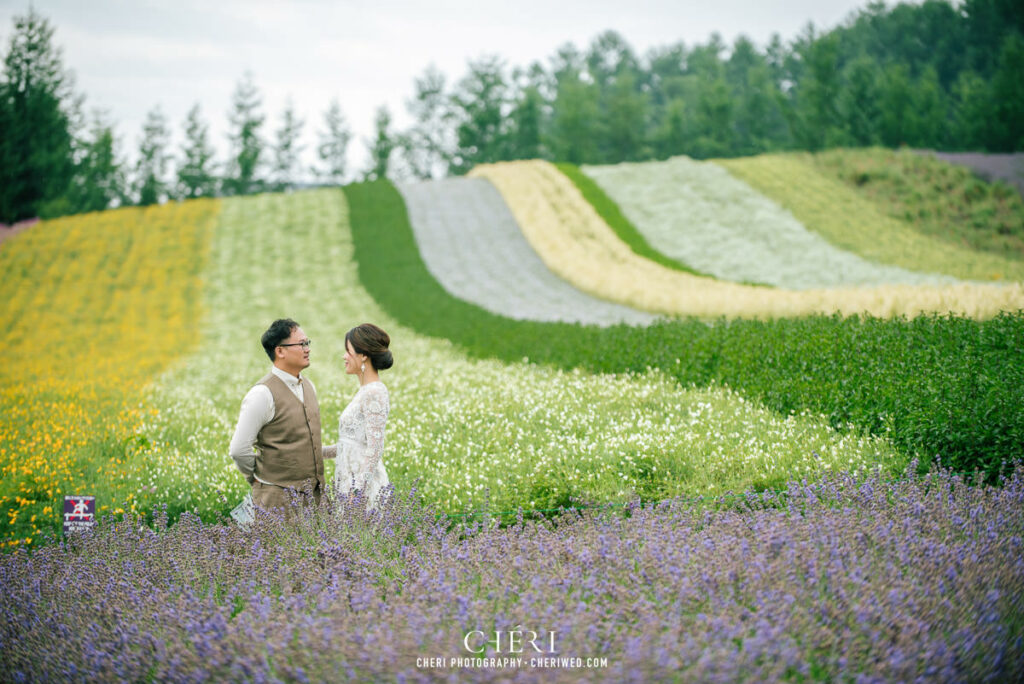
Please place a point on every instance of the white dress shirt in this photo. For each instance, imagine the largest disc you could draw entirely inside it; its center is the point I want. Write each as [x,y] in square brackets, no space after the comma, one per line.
[258,410]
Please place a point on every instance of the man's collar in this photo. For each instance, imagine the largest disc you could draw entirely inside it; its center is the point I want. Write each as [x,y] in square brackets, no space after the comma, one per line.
[288,378]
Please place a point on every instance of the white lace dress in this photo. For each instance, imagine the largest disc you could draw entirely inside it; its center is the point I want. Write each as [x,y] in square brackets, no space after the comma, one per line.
[361,443]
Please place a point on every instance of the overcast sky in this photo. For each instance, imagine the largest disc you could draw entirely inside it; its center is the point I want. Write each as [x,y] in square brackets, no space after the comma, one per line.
[129,56]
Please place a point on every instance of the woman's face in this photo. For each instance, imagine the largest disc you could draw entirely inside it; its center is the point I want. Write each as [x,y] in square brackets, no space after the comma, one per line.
[353,361]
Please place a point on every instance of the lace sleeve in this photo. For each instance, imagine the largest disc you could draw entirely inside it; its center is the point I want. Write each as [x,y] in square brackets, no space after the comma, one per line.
[374,405]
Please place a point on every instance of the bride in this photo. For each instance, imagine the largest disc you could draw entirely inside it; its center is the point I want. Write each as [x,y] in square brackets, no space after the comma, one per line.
[361,428]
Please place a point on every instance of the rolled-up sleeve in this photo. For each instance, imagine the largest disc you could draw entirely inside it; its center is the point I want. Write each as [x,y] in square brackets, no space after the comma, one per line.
[257,410]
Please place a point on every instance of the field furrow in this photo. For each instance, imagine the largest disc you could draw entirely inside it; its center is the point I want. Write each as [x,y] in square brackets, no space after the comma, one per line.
[573,240]
[698,214]
[471,244]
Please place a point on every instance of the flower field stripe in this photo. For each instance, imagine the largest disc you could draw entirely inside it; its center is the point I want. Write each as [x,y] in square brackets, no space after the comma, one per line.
[696,213]
[827,206]
[93,308]
[471,244]
[919,579]
[573,240]
[613,216]
[469,431]
[863,373]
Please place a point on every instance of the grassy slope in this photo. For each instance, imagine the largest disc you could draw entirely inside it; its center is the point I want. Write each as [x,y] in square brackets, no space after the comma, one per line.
[936,385]
[937,198]
[848,219]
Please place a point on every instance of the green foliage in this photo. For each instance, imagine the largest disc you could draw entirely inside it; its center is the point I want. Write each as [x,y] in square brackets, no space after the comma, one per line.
[246,144]
[938,386]
[333,145]
[35,144]
[99,178]
[287,150]
[151,168]
[937,198]
[382,146]
[479,104]
[195,174]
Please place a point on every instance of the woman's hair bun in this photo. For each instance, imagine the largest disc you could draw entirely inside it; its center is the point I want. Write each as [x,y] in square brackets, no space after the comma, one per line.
[370,340]
[382,360]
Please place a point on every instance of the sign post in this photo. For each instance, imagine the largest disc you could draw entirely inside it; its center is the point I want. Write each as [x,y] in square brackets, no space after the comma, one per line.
[79,513]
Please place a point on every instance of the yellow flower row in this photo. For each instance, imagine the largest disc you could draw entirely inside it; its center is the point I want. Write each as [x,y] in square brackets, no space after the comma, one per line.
[92,308]
[576,244]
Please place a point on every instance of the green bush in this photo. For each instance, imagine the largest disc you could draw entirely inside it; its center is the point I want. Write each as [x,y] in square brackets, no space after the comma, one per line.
[939,386]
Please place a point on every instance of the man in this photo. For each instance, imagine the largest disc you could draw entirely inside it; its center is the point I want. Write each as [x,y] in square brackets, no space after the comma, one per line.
[276,443]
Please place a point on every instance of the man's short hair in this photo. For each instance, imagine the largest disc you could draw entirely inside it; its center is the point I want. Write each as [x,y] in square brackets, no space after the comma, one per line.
[279,331]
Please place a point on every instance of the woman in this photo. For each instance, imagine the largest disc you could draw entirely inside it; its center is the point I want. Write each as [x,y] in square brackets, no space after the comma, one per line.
[361,428]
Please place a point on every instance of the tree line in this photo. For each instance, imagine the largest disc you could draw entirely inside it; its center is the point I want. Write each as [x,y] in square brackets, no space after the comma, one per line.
[935,75]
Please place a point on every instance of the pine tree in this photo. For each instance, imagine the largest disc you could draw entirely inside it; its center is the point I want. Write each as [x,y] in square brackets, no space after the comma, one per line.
[246,119]
[332,147]
[196,171]
[382,146]
[36,161]
[428,146]
[287,150]
[99,181]
[151,169]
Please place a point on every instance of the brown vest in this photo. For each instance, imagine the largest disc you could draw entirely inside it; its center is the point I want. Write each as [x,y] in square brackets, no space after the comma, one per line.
[290,453]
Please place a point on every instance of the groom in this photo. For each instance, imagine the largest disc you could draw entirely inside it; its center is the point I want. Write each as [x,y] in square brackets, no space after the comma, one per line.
[276,443]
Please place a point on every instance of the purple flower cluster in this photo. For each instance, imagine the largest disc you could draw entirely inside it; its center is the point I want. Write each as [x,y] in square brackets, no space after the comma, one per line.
[843,580]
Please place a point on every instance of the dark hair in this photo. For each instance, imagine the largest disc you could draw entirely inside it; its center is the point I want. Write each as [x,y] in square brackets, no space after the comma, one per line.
[279,331]
[370,340]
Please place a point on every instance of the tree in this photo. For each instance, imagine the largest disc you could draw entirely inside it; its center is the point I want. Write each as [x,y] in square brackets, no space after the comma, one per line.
[758,123]
[671,136]
[479,106]
[989,22]
[99,181]
[971,106]
[626,120]
[1008,96]
[151,168]
[711,116]
[195,173]
[382,146]
[429,145]
[524,137]
[817,92]
[927,124]
[36,161]
[287,150]
[896,102]
[332,147]
[246,145]
[858,101]
[574,124]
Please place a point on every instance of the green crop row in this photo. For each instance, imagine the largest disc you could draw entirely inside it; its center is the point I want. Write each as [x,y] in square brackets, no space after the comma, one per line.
[938,386]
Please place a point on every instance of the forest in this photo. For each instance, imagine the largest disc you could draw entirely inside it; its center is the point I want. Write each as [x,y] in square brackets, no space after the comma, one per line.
[937,75]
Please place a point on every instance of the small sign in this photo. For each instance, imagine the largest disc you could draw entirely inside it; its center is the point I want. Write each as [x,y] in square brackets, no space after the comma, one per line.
[79,513]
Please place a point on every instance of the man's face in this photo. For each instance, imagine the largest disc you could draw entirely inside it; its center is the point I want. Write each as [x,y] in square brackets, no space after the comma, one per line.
[292,354]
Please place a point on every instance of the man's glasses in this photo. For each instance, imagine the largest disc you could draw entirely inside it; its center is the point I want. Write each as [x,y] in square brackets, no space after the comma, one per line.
[304,344]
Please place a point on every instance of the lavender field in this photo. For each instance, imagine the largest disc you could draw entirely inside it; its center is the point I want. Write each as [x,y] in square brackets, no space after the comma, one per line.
[919,579]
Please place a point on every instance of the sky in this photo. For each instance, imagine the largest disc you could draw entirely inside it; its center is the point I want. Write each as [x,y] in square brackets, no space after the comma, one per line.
[130,56]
